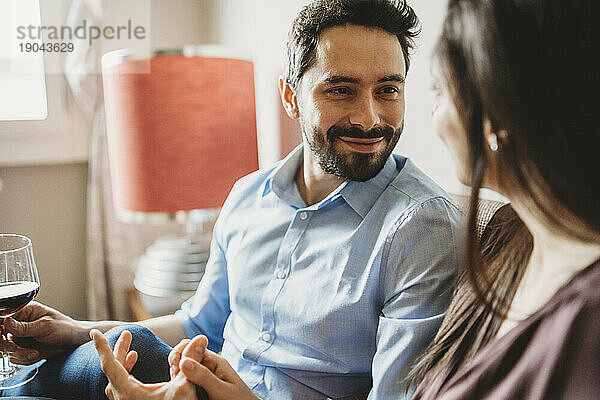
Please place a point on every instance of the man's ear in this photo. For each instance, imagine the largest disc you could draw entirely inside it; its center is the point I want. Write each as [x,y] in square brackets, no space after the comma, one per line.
[288,98]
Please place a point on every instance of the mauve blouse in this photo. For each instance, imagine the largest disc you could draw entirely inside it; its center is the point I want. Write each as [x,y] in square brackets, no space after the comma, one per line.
[552,354]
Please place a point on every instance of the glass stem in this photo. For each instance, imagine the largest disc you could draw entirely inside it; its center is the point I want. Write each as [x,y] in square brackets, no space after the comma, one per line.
[6,368]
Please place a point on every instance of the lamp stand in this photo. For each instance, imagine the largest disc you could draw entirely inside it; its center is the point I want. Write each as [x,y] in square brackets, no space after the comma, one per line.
[171,268]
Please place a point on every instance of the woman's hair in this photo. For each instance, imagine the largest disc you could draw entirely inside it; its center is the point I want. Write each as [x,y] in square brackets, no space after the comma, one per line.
[530,67]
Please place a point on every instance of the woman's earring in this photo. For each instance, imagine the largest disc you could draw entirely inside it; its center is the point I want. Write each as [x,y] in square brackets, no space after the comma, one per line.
[493,142]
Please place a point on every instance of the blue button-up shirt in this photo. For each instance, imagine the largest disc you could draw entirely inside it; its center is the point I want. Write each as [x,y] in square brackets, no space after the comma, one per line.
[307,302]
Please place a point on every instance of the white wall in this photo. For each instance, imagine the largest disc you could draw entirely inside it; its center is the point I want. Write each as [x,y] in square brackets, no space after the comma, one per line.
[47,204]
[419,141]
[259,29]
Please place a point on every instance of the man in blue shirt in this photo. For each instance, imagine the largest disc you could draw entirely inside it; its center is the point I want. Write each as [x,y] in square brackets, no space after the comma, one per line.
[331,271]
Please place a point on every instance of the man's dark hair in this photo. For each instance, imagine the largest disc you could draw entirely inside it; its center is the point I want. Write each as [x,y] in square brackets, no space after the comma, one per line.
[393,16]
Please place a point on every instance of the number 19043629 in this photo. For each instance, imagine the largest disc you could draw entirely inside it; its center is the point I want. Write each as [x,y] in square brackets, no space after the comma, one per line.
[46,47]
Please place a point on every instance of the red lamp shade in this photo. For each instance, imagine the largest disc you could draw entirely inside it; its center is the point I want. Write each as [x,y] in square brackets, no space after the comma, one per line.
[181,135]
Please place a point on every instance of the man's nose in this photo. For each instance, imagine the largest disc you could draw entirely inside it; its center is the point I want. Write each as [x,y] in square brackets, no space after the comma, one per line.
[365,113]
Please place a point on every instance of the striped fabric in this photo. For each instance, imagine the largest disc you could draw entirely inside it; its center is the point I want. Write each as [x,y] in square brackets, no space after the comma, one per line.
[485,210]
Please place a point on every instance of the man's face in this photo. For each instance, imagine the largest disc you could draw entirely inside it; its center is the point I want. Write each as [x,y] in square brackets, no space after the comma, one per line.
[351,100]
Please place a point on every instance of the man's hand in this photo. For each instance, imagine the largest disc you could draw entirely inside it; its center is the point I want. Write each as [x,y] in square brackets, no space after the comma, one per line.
[37,331]
[117,364]
[211,372]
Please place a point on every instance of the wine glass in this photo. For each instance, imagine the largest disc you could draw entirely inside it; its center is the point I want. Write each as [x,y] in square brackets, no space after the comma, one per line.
[19,283]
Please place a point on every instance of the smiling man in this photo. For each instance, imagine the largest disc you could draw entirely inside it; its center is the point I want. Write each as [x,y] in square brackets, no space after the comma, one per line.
[331,271]
[350,103]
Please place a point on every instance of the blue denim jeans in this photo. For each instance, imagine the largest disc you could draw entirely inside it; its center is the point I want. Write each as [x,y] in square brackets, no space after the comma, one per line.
[78,375]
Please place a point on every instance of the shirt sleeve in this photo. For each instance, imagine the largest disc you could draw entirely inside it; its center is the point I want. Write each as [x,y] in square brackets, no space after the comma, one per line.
[208,309]
[419,276]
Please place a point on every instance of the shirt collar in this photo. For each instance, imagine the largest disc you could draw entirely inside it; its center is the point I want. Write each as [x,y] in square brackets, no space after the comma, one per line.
[360,196]
[283,175]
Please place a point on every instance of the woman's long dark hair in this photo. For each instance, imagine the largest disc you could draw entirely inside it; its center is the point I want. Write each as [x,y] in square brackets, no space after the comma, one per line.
[532,68]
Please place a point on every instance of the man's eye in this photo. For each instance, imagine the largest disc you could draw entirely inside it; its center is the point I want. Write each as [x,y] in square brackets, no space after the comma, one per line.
[339,90]
[389,90]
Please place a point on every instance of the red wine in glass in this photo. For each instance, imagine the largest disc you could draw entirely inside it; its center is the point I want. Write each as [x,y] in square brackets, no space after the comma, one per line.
[19,283]
[16,295]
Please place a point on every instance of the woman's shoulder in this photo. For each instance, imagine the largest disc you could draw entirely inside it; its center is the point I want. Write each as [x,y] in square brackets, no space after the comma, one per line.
[552,354]
[563,342]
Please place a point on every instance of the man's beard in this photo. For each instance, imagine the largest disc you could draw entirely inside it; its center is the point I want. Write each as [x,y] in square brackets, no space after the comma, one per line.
[351,165]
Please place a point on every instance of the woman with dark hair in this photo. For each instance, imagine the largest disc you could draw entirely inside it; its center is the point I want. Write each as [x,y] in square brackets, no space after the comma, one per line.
[517,107]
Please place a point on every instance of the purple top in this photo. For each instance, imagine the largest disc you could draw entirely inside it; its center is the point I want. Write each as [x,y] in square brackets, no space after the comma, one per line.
[552,354]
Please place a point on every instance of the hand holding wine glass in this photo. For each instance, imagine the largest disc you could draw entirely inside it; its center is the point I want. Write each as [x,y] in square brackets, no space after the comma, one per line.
[19,283]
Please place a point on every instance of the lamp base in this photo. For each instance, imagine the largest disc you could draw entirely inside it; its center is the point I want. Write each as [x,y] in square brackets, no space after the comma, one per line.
[170,270]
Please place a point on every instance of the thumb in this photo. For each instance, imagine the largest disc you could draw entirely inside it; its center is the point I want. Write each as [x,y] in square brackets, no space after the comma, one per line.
[196,348]
[21,329]
[201,376]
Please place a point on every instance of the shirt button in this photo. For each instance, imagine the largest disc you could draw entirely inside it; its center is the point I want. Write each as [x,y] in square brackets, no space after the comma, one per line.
[266,336]
[303,215]
[281,274]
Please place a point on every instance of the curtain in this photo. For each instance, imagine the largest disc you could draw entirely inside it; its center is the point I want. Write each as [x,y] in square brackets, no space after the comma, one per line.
[112,246]
[110,252]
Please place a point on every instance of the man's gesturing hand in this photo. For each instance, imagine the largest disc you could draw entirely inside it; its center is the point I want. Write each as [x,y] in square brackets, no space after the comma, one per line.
[117,364]
[37,331]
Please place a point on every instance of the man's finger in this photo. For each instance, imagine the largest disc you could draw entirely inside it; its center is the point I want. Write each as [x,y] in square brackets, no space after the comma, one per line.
[27,351]
[19,354]
[21,329]
[109,392]
[25,356]
[196,348]
[211,360]
[114,371]
[22,342]
[130,360]
[199,375]
[122,346]
[7,345]
[175,353]
[30,312]
[175,357]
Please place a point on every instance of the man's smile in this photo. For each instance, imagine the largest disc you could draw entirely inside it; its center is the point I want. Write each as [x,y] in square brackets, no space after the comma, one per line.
[362,145]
